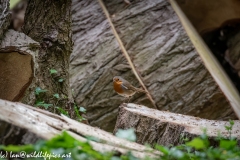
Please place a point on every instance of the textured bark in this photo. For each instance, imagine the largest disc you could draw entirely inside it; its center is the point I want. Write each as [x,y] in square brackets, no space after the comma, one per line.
[167,128]
[45,125]
[49,23]
[161,52]
[232,55]
[4,17]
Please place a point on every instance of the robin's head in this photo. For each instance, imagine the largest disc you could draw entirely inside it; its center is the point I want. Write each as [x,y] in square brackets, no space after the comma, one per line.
[117,79]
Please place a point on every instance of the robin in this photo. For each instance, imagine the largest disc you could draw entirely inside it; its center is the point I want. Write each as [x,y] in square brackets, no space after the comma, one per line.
[124,88]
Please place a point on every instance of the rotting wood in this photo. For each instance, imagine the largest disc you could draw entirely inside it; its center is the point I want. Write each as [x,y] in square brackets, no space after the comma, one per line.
[46,125]
[166,128]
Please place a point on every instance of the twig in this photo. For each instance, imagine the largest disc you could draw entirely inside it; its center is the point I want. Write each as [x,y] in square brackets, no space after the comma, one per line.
[125,53]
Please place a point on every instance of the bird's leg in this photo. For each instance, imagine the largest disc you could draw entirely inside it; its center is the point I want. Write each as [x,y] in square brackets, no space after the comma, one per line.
[129,99]
[125,99]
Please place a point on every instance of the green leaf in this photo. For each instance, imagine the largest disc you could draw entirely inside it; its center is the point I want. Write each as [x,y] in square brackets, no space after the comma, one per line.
[196,143]
[178,154]
[127,134]
[91,138]
[16,148]
[80,118]
[56,95]
[231,122]
[38,90]
[60,80]
[84,118]
[13,3]
[228,128]
[163,149]
[82,109]
[228,144]
[115,158]
[63,111]
[43,104]
[53,71]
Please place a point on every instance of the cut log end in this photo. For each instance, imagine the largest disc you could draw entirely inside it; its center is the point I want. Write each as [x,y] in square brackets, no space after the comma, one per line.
[16,65]
[166,128]
[15,75]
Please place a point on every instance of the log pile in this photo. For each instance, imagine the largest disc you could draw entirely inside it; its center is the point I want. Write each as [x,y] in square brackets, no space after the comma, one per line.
[161,52]
[32,122]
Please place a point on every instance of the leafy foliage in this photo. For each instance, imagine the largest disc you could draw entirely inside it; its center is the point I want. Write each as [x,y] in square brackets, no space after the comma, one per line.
[66,147]
[43,104]
[13,3]
[60,80]
[56,95]
[81,109]
[38,90]
[127,134]
[62,111]
[53,71]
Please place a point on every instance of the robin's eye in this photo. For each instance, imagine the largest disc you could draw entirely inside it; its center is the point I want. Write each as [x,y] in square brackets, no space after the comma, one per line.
[117,79]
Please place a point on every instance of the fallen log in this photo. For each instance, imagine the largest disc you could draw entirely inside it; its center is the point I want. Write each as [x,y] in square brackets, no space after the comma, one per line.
[166,128]
[45,125]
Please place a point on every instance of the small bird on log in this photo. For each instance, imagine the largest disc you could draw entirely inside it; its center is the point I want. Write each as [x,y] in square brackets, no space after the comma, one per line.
[124,88]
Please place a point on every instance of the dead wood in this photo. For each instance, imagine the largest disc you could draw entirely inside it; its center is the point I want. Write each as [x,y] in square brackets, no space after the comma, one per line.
[45,125]
[166,128]
[17,60]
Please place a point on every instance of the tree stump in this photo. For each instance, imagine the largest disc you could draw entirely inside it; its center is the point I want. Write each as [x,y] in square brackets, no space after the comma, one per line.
[166,128]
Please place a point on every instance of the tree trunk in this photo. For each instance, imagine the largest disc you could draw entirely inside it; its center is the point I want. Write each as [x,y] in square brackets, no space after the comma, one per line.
[167,128]
[25,62]
[160,50]
[4,17]
[49,23]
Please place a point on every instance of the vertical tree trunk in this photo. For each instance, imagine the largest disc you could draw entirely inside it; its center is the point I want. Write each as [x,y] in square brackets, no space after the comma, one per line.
[49,23]
[4,17]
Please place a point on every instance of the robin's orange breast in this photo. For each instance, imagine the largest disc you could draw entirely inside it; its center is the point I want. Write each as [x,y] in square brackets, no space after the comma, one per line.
[117,87]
